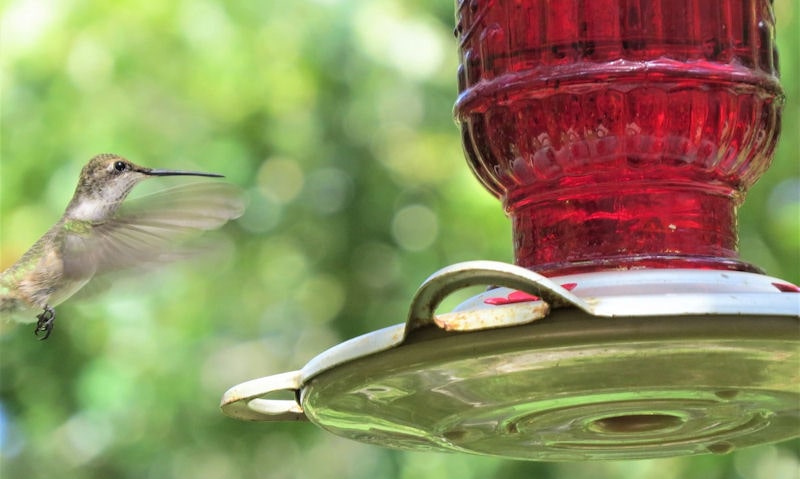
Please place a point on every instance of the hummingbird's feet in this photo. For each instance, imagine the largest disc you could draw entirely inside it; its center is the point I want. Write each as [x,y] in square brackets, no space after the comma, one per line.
[45,323]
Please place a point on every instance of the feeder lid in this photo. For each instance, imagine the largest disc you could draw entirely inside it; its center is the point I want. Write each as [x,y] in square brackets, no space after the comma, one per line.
[613,365]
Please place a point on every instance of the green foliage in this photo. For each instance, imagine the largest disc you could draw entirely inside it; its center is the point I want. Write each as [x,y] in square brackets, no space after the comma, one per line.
[357,191]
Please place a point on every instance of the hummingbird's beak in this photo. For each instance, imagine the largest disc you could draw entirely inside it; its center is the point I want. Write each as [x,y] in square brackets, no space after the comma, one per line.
[157,172]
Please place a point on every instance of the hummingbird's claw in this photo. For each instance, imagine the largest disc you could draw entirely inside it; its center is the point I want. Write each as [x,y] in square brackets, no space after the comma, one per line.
[45,323]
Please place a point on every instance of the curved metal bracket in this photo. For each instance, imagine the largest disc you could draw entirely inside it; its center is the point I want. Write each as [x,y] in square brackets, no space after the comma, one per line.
[470,273]
[246,401]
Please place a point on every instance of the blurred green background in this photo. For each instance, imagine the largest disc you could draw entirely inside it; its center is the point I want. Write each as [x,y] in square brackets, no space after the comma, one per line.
[335,116]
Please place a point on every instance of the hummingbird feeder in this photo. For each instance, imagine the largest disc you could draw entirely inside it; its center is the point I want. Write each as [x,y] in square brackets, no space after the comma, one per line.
[621,137]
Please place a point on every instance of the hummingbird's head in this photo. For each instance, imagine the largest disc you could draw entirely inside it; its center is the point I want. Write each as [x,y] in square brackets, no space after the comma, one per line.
[106,181]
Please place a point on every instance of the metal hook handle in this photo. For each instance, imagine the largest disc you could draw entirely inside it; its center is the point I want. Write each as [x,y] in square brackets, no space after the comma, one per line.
[470,273]
[246,401]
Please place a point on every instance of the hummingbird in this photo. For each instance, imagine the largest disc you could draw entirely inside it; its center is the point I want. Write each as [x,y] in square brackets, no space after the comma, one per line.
[100,232]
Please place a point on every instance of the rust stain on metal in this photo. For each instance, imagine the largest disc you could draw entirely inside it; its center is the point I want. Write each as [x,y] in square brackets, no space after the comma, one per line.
[490,318]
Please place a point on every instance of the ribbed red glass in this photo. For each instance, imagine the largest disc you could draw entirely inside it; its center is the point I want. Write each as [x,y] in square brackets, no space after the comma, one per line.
[619,133]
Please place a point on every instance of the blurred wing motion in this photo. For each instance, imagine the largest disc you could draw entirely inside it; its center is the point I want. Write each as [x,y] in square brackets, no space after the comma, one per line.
[150,229]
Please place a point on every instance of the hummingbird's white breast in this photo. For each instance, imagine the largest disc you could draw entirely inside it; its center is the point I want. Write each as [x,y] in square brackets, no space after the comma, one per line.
[92,209]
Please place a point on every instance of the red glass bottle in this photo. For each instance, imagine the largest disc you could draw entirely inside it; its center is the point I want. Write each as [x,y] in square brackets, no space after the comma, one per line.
[619,133]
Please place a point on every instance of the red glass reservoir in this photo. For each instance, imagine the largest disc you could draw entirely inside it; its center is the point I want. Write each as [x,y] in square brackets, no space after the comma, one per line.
[619,133]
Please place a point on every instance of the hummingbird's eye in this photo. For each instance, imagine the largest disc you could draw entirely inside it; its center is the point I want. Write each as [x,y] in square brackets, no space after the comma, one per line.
[120,166]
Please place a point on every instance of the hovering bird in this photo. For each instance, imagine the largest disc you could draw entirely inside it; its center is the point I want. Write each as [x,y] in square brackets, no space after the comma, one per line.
[101,232]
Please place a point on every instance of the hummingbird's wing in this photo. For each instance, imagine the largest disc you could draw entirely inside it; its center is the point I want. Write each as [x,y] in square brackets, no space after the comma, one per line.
[150,229]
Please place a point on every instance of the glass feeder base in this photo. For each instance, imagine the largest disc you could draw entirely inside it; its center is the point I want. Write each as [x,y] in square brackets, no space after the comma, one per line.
[573,388]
